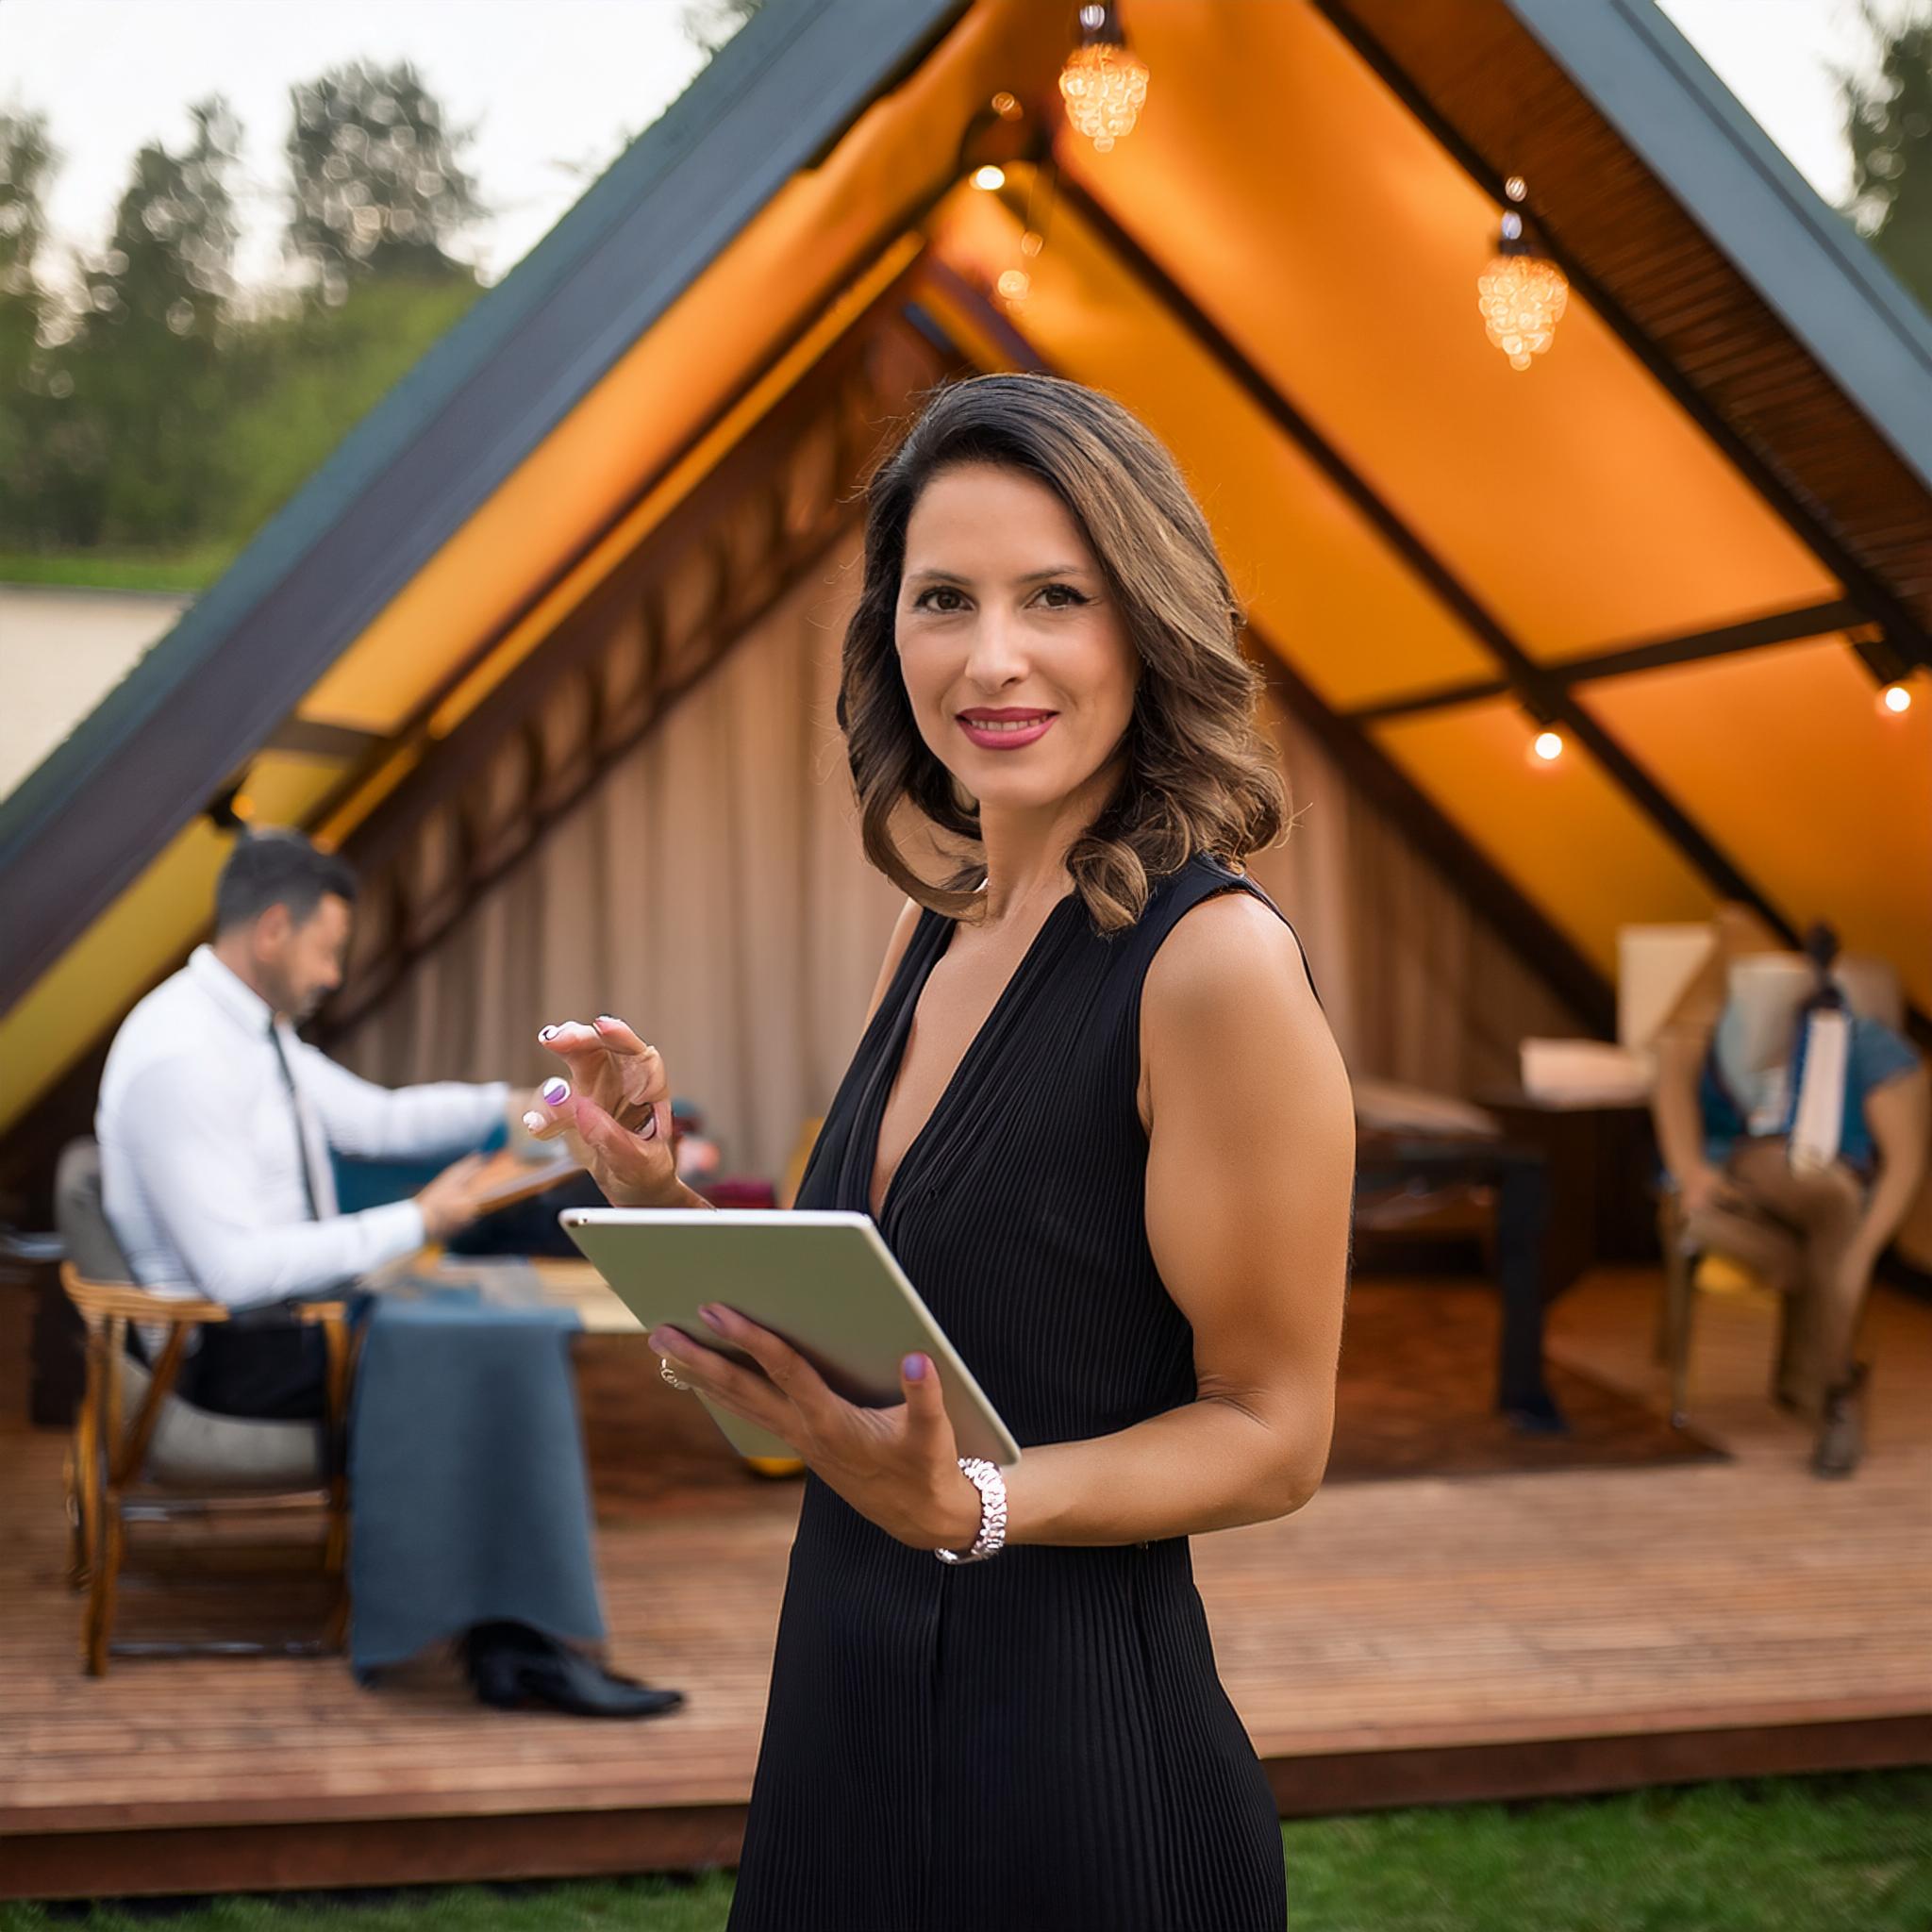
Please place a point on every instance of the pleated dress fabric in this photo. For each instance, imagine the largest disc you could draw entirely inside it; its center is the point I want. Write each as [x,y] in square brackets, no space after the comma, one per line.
[1038,1740]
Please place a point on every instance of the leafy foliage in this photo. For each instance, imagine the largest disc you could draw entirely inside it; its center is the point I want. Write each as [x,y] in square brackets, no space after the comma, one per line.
[1888,125]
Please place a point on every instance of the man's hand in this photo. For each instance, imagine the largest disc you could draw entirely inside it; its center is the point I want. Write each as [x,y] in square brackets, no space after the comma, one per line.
[453,1199]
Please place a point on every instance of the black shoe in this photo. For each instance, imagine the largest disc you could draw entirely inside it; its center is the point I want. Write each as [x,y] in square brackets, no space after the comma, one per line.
[512,1665]
[1842,1438]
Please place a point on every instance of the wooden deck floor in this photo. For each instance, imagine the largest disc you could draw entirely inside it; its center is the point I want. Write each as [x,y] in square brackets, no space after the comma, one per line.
[1397,1642]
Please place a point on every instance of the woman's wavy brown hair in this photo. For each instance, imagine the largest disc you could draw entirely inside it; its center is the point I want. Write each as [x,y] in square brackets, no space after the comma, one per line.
[1199,777]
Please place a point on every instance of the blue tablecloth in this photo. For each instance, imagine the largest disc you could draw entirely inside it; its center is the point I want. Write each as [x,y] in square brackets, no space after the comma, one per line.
[468,1496]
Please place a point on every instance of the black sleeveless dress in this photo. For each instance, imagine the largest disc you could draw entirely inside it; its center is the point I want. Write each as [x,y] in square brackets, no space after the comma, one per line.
[1039,1740]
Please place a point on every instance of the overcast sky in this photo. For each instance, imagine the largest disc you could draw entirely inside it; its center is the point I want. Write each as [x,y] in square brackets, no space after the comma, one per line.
[554,87]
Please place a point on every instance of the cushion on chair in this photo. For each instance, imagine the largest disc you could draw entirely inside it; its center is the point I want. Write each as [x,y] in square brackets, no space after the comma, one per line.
[81,1217]
[190,1448]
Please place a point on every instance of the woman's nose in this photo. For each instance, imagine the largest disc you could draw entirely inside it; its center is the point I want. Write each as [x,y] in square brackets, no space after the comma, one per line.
[997,656]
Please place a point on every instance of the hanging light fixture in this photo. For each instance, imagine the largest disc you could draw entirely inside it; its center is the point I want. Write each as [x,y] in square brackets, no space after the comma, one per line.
[1546,745]
[1890,671]
[1104,86]
[1522,292]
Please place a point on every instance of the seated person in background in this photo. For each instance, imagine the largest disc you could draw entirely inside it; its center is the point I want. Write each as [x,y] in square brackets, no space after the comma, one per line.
[216,1125]
[1808,1202]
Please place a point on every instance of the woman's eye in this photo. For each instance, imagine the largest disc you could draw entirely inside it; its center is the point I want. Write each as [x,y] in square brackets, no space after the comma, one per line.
[1061,596]
[926,600]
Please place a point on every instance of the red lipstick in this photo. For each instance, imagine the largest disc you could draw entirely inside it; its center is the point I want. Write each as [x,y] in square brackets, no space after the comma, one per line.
[1004,727]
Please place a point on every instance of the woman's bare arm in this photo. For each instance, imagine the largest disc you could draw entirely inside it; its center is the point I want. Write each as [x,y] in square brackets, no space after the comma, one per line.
[1250,1178]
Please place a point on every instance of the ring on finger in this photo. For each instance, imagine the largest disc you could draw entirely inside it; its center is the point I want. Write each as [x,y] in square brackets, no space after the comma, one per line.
[671,1374]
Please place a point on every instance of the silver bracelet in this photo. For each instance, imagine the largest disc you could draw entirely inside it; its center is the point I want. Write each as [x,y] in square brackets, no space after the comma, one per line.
[984,1478]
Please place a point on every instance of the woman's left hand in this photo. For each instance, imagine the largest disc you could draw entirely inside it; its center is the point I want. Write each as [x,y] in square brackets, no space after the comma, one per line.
[898,1466]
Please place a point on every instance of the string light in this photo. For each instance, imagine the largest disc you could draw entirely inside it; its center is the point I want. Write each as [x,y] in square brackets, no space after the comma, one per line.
[1548,745]
[1890,670]
[1104,86]
[1522,293]
[990,177]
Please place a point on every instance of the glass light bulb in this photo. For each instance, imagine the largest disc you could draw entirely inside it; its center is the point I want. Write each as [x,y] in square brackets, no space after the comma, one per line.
[1549,746]
[989,177]
[1104,88]
[1895,699]
[1522,299]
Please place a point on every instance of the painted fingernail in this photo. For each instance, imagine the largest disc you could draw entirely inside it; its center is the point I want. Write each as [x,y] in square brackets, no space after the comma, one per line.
[711,1316]
[913,1367]
[555,1091]
[548,1033]
[533,1122]
[649,1130]
[605,1020]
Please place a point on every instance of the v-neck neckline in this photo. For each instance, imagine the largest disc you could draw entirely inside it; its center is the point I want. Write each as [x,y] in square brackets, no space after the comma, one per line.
[895,1054]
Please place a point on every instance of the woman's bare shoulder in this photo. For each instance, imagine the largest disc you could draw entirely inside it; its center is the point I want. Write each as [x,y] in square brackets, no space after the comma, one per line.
[1223,956]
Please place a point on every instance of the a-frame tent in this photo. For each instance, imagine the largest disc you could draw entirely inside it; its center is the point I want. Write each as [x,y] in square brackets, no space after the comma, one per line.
[1685,536]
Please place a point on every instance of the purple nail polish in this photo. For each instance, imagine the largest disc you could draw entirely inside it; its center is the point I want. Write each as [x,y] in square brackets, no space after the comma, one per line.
[555,1092]
[710,1313]
[914,1367]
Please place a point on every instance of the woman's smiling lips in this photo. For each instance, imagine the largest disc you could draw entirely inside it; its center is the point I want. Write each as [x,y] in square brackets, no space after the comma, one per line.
[1003,729]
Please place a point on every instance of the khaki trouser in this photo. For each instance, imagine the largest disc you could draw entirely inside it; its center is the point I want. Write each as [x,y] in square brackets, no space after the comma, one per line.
[1798,1231]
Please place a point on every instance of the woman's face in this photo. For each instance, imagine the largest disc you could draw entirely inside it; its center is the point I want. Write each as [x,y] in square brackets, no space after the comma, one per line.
[1020,671]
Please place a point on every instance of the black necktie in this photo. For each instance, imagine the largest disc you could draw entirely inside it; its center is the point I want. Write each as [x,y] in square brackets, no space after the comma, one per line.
[275,1038]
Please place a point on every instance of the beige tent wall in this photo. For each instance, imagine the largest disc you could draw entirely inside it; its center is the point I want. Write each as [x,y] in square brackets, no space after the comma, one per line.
[710,889]
[1419,988]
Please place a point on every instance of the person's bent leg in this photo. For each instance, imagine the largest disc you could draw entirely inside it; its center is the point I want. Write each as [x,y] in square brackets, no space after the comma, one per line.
[1826,1206]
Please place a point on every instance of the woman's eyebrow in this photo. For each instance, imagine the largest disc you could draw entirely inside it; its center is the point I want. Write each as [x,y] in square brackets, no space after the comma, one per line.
[936,575]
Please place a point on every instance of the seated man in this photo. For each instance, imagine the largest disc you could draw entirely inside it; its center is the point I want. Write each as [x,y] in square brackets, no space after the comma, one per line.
[216,1125]
[1811,1220]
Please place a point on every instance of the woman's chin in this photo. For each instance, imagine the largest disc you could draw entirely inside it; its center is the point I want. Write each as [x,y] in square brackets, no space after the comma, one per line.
[1010,791]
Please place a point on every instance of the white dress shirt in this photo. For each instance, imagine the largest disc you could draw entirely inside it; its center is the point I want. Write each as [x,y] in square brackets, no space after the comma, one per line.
[207,1178]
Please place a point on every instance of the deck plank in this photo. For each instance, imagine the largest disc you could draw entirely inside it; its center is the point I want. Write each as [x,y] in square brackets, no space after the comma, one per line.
[1395,1641]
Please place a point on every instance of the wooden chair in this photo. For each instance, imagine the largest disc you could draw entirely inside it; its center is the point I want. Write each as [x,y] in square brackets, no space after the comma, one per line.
[142,1453]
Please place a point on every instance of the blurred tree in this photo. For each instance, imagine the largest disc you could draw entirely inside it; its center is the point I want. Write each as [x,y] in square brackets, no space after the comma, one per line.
[31,391]
[711,23]
[144,404]
[375,171]
[1888,125]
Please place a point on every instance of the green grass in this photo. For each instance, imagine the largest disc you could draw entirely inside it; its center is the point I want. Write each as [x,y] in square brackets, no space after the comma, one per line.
[193,569]
[1793,1855]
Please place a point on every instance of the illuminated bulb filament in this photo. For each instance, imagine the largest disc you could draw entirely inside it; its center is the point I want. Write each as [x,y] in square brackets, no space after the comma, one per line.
[1896,699]
[989,177]
[1522,299]
[1549,745]
[1104,88]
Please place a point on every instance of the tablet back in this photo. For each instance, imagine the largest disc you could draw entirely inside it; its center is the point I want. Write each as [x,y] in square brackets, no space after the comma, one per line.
[822,1280]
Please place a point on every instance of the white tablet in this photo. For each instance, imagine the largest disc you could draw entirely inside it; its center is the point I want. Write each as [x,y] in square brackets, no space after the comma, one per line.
[824,1281]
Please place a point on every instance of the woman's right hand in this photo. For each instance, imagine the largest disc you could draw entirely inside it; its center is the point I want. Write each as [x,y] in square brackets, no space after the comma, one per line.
[613,1110]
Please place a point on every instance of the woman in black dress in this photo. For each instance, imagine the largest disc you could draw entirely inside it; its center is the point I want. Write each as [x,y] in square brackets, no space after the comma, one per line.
[1100,1120]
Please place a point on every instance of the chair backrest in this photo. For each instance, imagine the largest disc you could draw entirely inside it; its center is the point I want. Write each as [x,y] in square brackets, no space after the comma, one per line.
[82,1215]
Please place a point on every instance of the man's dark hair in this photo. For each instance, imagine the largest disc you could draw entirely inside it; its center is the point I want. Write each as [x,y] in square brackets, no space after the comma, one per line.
[277,867]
